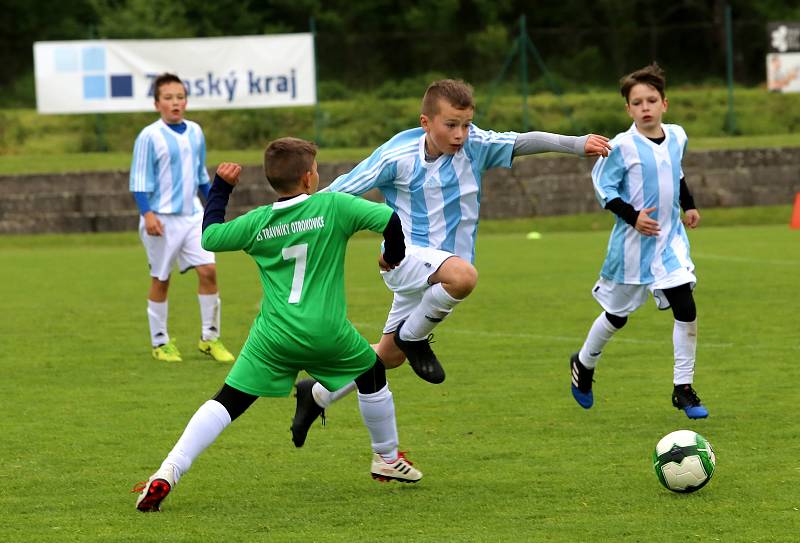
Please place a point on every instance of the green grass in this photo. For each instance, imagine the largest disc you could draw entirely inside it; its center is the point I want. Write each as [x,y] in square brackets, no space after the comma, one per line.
[77,162]
[507,454]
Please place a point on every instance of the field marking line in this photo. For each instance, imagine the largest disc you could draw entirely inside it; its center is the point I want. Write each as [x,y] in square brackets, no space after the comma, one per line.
[744,259]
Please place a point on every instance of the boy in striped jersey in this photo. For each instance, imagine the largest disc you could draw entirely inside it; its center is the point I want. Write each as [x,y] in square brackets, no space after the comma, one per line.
[642,183]
[431,176]
[167,170]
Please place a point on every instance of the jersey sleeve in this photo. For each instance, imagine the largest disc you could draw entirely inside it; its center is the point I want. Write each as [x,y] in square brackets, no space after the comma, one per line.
[202,172]
[356,214]
[375,171]
[142,176]
[235,235]
[607,176]
[684,145]
[489,149]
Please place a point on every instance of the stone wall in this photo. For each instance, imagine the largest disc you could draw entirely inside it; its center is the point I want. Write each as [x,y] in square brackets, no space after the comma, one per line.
[550,185]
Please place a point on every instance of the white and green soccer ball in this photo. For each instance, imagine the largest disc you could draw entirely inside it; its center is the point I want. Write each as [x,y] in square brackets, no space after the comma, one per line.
[684,461]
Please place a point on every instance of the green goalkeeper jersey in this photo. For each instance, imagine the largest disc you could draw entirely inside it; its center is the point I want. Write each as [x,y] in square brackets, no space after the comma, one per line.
[299,247]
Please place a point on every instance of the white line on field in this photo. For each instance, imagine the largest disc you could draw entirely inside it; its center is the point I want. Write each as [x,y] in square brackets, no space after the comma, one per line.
[728,258]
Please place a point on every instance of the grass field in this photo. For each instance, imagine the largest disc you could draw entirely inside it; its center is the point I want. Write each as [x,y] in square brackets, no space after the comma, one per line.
[507,454]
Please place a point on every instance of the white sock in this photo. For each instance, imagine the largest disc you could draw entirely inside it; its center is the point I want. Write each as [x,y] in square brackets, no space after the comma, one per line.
[377,411]
[600,333]
[684,342]
[435,305]
[209,315]
[157,317]
[324,397]
[204,427]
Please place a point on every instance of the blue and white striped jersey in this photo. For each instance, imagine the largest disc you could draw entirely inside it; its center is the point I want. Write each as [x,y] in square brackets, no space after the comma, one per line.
[438,202]
[644,174]
[169,167]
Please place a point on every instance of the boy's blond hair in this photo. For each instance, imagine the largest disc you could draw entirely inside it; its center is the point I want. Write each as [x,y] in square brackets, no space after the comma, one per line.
[286,160]
[455,92]
[651,75]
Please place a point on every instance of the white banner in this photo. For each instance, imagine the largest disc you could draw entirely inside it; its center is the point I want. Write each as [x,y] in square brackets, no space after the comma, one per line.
[783,72]
[219,73]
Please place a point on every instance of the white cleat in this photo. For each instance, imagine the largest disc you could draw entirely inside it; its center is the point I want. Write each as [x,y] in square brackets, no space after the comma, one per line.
[400,470]
[157,487]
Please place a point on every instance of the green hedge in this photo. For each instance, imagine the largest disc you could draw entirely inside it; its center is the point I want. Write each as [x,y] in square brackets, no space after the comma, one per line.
[366,121]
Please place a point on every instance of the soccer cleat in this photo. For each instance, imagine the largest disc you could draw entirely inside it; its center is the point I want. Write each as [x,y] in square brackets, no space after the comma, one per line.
[306,412]
[157,487]
[420,357]
[582,378]
[216,350]
[168,352]
[684,397]
[400,470]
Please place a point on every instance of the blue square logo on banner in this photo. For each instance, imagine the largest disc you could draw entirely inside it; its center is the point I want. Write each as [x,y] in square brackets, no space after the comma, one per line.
[121,86]
[94,87]
[94,59]
[66,59]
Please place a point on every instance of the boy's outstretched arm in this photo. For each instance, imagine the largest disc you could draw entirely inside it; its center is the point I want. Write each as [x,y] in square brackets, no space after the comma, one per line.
[236,234]
[530,143]
[227,177]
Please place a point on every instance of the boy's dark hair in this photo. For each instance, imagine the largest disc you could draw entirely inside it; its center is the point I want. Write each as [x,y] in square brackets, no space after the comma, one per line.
[456,92]
[163,79]
[286,160]
[651,75]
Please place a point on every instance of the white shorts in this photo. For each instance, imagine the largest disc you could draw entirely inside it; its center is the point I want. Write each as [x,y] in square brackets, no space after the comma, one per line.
[180,243]
[409,281]
[623,299]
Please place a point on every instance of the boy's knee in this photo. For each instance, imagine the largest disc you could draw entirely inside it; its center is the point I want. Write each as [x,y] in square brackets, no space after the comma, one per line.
[388,352]
[616,321]
[207,274]
[682,302]
[461,279]
[685,311]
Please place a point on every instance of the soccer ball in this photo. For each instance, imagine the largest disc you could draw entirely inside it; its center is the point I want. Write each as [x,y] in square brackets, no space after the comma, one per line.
[684,461]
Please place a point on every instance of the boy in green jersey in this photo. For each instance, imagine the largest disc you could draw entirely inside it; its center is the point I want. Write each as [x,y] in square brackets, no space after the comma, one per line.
[298,244]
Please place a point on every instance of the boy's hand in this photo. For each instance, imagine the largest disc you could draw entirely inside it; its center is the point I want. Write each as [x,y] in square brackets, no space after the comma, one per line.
[229,172]
[691,218]
[597,146]
[385,266]
[152,225]
[645,225]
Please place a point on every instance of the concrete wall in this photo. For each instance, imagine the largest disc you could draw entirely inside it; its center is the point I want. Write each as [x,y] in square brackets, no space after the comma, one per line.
[551,185]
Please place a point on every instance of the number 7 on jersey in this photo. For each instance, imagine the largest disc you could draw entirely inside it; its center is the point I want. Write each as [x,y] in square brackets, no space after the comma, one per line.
[298,253]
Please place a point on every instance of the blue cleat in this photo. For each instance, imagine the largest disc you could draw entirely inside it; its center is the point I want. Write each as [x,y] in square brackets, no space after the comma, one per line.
[581,386]
[684,397]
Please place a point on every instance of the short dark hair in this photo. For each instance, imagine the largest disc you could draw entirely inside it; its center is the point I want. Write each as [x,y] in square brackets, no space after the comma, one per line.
[651,75]
[162,80]
[455,91]
[286,160]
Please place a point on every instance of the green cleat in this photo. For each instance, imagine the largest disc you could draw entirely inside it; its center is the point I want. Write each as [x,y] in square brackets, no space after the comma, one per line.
[216,350]
[168,352]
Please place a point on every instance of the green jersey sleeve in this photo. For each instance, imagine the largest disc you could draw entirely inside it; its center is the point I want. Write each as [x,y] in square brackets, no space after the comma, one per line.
[235,235]
[355,214]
